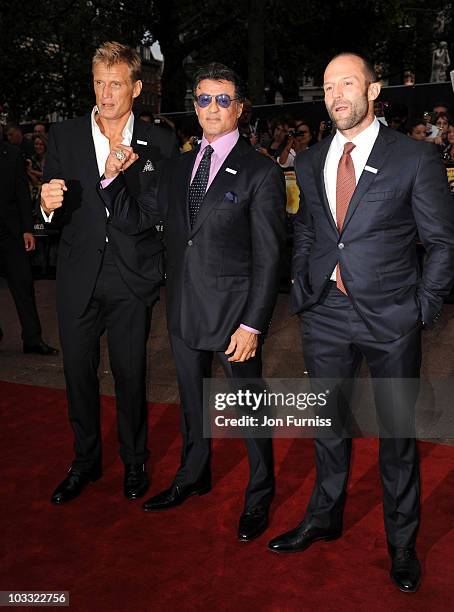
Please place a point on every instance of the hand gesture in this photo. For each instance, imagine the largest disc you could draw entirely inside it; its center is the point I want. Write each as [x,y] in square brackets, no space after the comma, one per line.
[52,195]
[119,160]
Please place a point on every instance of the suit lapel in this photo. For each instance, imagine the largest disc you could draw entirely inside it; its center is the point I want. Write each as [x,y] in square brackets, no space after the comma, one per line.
[319,170]
[88,152]
[142,145]
[223,181]
[377,159]
[186,163]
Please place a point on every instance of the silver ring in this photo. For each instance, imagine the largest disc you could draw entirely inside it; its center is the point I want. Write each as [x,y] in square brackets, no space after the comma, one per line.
[121,155]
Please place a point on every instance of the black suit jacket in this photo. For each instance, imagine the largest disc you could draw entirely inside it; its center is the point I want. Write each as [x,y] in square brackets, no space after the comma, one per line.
[85,225]
[15,201]
[225,270]
[376,250]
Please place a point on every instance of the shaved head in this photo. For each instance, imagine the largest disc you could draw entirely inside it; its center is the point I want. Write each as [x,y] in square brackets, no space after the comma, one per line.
[368,69]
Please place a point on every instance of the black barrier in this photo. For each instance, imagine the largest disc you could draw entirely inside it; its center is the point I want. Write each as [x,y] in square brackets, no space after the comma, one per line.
[418,98]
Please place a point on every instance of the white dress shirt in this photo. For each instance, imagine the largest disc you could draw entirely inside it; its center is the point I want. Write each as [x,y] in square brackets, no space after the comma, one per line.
[364,143]
[102,147]
[101,142]
[290,160]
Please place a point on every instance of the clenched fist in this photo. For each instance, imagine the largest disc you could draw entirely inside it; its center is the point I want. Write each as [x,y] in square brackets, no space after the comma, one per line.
[52,195]
[114,165]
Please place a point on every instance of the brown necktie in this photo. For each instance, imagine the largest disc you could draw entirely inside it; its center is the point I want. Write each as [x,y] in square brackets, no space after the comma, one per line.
[345,186]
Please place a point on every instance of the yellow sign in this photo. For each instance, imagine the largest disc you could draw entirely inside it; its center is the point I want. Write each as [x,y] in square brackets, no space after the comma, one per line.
[450,173]
[293,192]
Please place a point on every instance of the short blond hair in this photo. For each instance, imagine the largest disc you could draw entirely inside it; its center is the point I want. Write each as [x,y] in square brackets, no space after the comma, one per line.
[111,53]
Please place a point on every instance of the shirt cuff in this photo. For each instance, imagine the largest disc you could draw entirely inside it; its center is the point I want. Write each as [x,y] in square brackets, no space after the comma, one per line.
[106,182]
[250,329]
[47,218]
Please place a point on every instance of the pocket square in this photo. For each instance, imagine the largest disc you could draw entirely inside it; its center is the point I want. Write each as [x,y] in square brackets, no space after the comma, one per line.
[231,197]
[148,166]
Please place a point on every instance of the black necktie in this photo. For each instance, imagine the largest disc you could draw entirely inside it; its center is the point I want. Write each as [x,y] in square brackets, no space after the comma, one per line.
[199,184]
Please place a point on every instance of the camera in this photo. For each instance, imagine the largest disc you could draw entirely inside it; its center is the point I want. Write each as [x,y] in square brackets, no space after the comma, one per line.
[328,127]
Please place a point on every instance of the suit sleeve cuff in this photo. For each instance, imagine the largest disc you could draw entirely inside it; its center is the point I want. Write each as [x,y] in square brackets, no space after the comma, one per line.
[106,182]
[111,188]
[47,218]
[250,329]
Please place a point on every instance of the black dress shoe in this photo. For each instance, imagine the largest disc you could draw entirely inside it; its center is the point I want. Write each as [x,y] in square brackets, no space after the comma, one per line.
[252,524]
[136,481]
[41,348]
[73,485]
[405,569]
[174,496]
[302,537]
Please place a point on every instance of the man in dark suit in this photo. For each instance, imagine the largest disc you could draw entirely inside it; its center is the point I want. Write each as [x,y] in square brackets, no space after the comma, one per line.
[16,241]
[106,280]
[365,194]
[224,232]
[15,136]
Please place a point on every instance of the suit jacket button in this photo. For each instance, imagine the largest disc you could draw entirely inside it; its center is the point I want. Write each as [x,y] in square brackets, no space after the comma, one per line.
[100,251]
[340,245]
[190,243]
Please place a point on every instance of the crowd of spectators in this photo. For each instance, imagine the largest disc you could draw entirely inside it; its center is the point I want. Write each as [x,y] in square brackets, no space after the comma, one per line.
[280,138]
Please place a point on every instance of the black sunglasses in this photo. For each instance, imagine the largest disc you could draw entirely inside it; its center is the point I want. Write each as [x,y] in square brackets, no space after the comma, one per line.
[222,100]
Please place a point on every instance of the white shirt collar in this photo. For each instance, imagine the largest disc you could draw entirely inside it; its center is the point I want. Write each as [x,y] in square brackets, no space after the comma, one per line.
[127,130]
[365,137]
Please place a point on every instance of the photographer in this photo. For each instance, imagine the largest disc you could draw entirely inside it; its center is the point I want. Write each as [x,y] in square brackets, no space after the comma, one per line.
[298,140]
[437,129]
[325,128]
[279,130]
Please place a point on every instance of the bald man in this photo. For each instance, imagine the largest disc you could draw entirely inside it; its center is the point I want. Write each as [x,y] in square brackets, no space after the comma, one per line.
[366,192]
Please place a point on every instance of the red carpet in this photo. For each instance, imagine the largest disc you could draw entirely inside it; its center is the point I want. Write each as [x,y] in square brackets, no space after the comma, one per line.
[112,556]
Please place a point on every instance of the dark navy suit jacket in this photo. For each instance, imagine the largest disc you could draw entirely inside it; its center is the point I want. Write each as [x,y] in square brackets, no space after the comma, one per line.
[225,270]
[376,250]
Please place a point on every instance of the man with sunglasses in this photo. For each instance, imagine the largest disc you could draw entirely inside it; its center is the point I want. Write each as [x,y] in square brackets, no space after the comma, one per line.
[224,216]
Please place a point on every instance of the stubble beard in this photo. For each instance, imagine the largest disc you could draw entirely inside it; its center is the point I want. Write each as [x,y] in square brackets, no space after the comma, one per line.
[359,110]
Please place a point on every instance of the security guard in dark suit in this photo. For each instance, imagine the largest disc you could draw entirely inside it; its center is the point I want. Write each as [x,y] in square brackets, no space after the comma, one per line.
[16,240]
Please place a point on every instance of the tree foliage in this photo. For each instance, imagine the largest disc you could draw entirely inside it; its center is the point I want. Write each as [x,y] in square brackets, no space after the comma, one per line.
[46,46]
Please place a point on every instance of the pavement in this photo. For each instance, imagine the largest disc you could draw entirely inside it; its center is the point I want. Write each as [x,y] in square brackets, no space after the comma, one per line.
[282,356]
[282,352]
